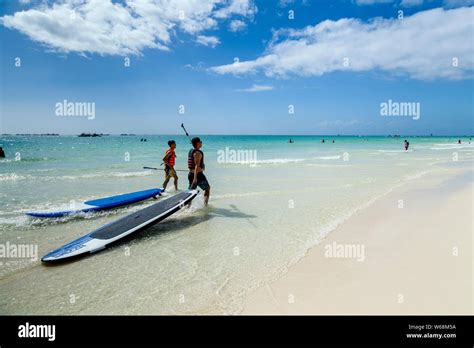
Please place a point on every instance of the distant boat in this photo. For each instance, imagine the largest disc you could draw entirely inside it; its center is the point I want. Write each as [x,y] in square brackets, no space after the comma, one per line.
[37,135]
[85,135]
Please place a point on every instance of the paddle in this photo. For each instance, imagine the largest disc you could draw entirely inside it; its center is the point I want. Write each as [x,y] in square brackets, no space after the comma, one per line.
[177,170]
[185,131]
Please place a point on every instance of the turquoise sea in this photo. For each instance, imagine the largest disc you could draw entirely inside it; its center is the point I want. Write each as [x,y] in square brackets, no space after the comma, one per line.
[264,214]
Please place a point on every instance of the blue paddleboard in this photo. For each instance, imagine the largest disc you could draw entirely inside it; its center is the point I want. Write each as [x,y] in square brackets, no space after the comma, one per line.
[139,220]
[100,204]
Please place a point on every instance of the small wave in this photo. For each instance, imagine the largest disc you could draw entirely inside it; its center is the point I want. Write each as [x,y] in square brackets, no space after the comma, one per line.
[16,221]
[394,151]
[43,170]
[452,146]
[132,174]
[24,221]
[104,175]
[280,160]
[196,204]
[270,161]
[25,159]
[16,177]
[327,165]
[368,180]
[329,157]
[416,175]
[11,177]
[238,195]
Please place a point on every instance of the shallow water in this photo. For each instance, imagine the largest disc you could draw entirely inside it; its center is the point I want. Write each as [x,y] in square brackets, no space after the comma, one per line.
[263,215]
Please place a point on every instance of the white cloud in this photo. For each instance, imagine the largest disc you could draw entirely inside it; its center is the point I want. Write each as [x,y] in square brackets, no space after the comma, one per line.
[284,3]
[211,41]
[421,46]
[244,8]
[411,3]
[257,88]
[237,25]
[372,2]
[109,27]
[198,67]
[458,3]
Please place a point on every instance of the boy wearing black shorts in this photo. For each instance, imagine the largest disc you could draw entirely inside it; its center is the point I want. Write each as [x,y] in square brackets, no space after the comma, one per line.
[196,168]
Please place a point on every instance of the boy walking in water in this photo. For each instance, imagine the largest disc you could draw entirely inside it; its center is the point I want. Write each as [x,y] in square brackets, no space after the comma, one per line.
[196,168]
[169,161]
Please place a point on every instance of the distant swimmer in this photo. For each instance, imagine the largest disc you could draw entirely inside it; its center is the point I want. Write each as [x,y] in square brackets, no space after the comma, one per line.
[291,141]
[407,145]
[322,141]
[333,141]
[2,153]
[459,141]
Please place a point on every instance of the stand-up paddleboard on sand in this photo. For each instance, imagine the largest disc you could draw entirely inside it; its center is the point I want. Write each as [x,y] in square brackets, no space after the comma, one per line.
[98,239]
[100,204]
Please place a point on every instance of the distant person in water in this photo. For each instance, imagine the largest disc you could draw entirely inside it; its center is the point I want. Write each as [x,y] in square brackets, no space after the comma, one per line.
[407,144]
[459,141]
[196,168]
[2,153]
[169,160]
[333,141]
[291,141]
[322,141]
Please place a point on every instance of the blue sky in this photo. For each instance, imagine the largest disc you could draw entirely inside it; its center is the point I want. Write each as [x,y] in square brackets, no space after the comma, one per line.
[282,62]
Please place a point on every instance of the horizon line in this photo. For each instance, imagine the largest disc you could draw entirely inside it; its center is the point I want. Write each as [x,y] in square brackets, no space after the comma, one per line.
[230,134]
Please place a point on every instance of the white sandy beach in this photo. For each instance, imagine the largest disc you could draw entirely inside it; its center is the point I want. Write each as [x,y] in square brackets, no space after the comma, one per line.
[409,264]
